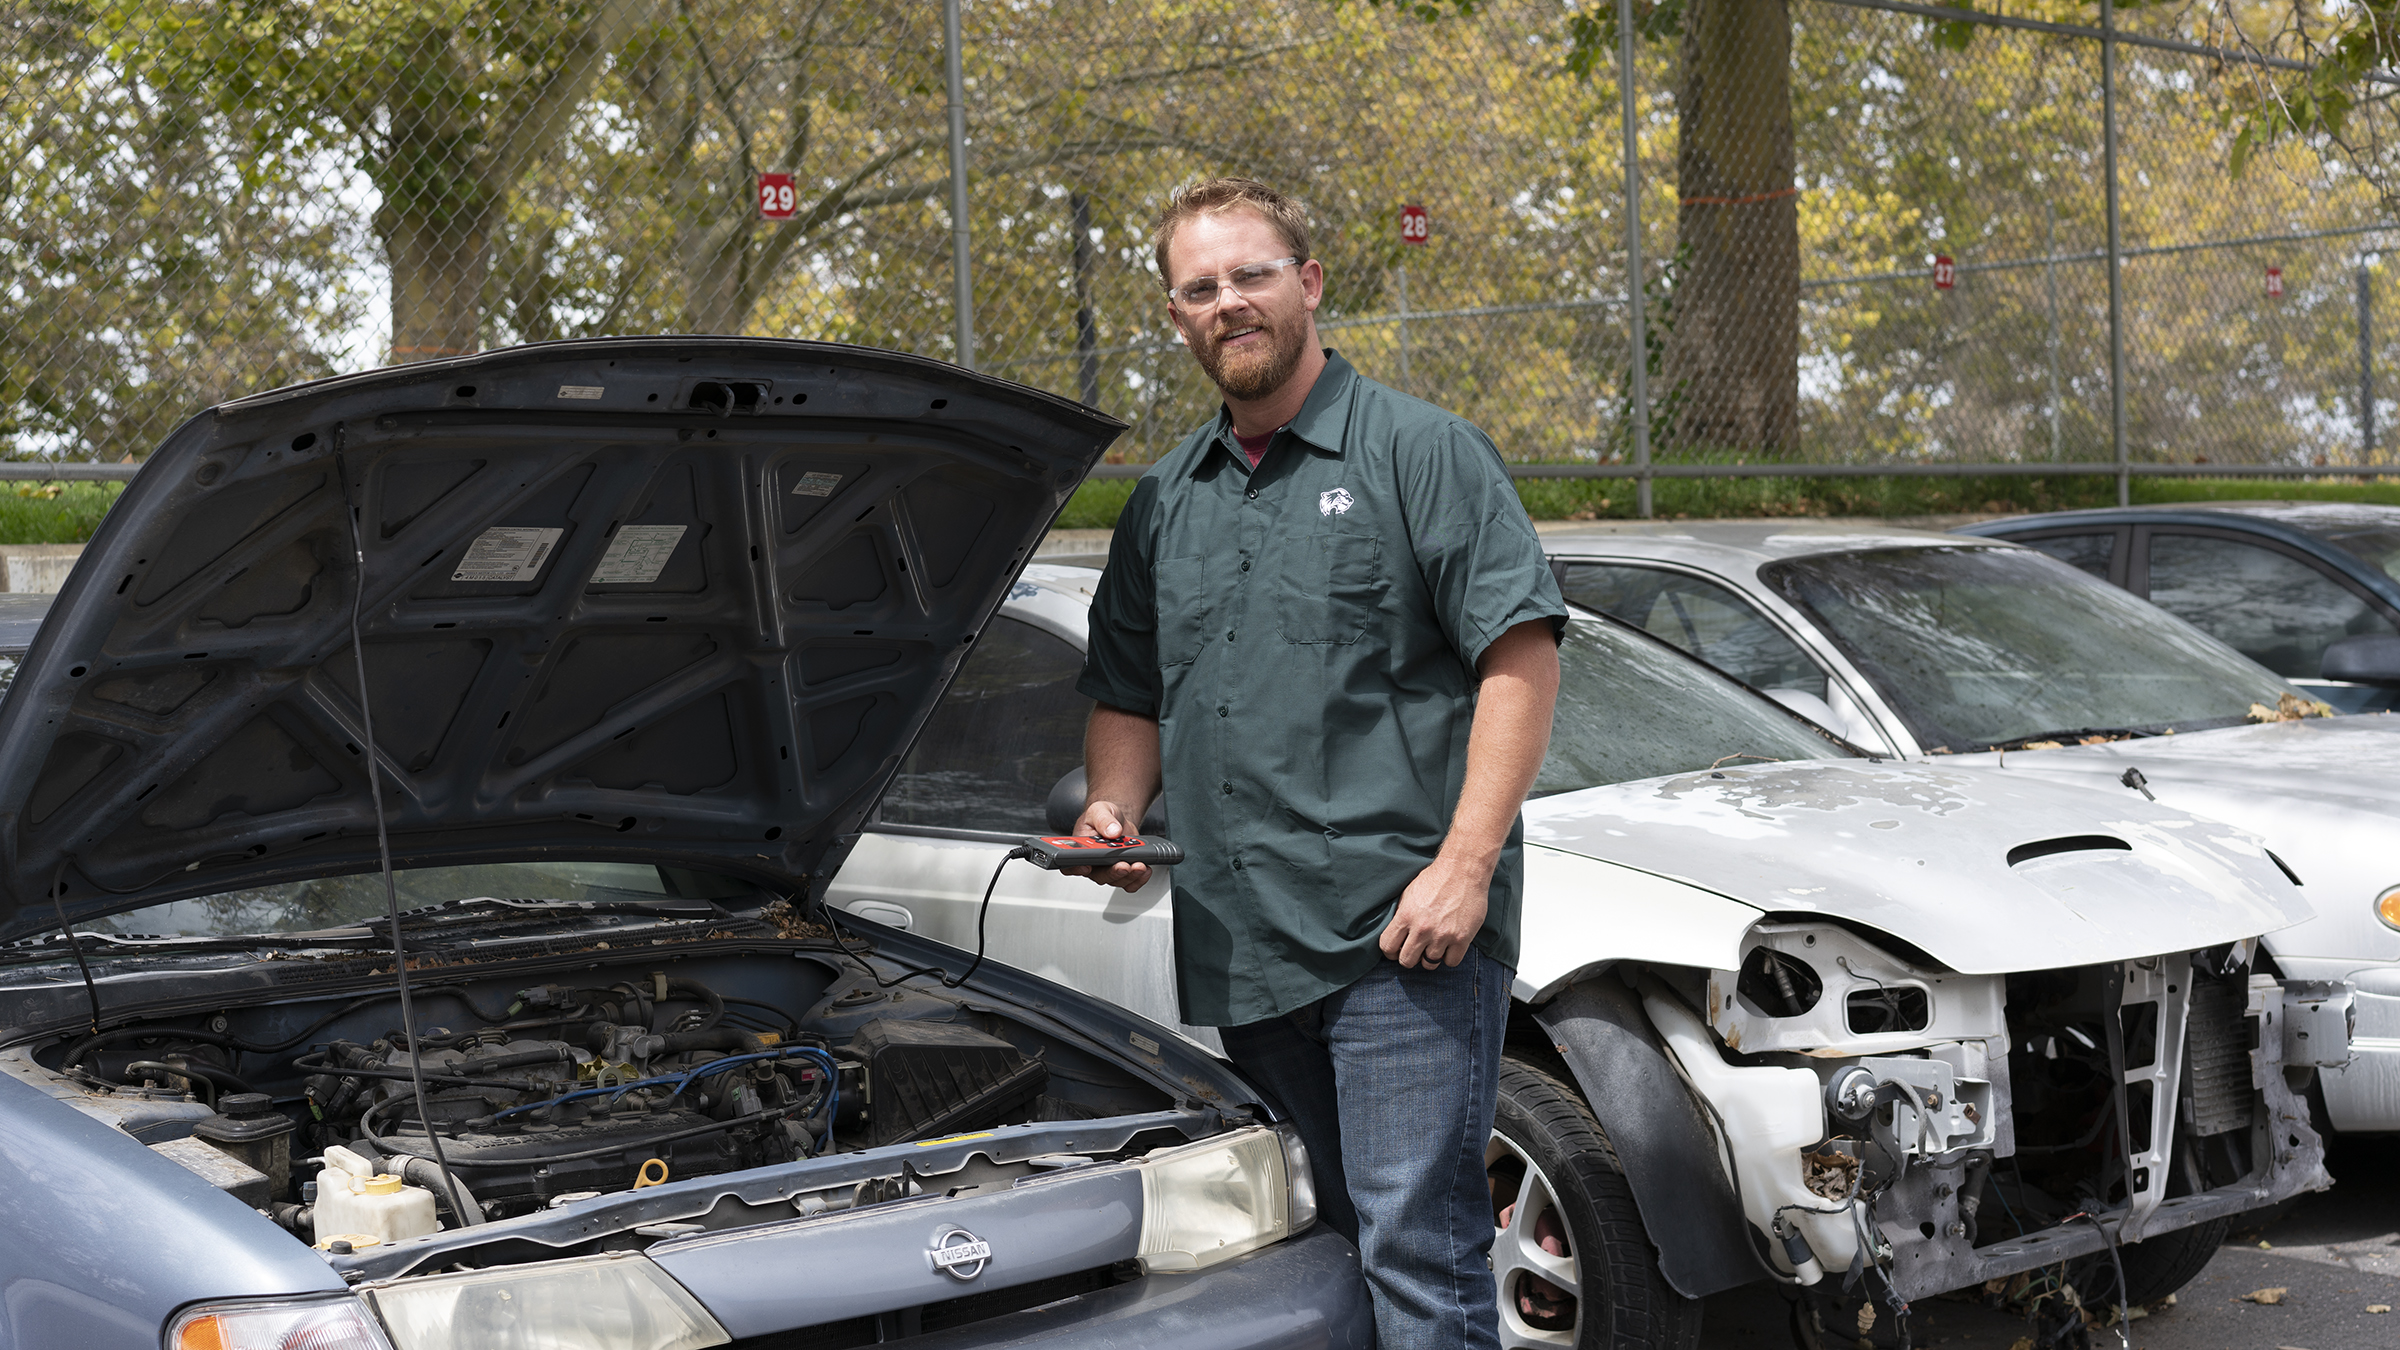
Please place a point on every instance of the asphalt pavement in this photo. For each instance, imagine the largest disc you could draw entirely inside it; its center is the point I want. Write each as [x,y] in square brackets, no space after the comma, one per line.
[2334,1255]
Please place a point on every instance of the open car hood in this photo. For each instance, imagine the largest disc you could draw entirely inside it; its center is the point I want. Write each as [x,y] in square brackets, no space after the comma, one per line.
[1986,872]
[680,600]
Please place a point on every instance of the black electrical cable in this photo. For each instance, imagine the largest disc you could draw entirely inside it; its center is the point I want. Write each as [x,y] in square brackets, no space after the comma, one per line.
[383,837]
[834,916]
[2124,1313]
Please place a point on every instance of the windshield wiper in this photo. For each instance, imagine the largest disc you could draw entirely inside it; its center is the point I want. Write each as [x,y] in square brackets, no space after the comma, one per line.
[495,907]
[2073,737]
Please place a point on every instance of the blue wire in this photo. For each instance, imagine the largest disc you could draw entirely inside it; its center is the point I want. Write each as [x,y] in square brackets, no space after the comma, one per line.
[684,1080]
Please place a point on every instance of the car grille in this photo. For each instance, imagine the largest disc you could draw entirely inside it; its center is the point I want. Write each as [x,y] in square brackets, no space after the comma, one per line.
[942,1316]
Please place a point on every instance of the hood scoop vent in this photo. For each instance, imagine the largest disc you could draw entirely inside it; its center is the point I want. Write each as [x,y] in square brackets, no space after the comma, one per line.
[2071,843]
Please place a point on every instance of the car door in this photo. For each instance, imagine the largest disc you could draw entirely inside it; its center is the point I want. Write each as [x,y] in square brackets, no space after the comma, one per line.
[2273,603]
[1717,625]
[973,786]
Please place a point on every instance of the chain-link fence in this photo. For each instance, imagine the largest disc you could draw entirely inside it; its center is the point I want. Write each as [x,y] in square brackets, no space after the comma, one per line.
[1872,236]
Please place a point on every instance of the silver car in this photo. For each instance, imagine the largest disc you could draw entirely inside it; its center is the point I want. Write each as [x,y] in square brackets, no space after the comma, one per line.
[1980,652]
[1784,1010]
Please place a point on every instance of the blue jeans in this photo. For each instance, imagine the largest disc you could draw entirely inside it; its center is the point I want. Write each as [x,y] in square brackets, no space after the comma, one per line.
[1391,1083]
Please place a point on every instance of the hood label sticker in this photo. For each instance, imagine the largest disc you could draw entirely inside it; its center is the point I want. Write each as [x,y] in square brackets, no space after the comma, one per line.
[581,390]
[816,484]
[637,555]
[507,553]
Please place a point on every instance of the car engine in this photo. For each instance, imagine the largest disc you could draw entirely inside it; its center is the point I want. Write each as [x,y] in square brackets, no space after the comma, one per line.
[572,1091]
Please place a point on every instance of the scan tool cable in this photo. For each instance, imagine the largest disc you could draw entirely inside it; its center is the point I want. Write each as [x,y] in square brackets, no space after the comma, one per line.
[383,836]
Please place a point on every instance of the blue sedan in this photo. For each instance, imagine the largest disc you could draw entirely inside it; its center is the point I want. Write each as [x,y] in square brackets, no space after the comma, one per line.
[2310,590]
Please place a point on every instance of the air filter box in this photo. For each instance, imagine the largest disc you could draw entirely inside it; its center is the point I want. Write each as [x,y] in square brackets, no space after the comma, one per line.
[926,1079]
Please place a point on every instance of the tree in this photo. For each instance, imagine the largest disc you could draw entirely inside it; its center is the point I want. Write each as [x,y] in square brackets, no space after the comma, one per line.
[157,258]
[446,104]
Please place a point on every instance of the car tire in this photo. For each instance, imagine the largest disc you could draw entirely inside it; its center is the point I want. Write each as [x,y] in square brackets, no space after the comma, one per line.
[2161,1265]
[1572,1261]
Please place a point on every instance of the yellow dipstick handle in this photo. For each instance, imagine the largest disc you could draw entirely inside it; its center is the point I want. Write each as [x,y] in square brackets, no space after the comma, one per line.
[643,1177]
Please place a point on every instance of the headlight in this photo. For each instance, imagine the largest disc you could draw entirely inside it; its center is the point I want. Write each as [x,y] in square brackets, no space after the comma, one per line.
[1214,1201]
[609,1302]
[318,1324]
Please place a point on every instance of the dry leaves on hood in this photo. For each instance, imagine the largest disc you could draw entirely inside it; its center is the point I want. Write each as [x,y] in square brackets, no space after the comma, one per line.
[2289,707]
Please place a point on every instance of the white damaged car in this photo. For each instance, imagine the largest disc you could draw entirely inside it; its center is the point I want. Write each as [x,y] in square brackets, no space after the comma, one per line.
[1786,1012]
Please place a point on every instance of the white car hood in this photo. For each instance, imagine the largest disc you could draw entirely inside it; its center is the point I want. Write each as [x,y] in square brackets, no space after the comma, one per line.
[1922,852]
[2324,794]
[2349,763]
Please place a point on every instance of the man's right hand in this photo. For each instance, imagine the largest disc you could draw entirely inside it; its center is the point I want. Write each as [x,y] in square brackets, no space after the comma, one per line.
[1107,820]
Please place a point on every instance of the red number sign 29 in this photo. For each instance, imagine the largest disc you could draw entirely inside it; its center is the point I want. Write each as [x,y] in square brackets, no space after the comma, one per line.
[776,199]
[1414,225]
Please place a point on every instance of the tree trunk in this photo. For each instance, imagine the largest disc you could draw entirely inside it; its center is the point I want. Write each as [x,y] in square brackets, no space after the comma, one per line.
[438,271]
[1734,353]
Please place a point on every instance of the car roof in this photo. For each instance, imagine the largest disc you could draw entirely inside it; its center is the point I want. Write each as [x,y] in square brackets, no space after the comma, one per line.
[2293,515]
[1731,546]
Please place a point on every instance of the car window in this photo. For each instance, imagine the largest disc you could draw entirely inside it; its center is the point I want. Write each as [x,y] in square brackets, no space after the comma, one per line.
[331,902]
[2084,552]
[2270,606]
[8,670]
[1980,646]
[1010,726]
[1631,709]
[1708,620]
[2378,546]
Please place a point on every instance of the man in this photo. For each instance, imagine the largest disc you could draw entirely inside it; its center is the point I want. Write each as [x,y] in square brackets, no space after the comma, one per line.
[1328,632]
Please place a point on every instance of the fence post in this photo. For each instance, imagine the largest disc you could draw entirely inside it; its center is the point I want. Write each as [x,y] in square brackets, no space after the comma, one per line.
[2366,366]
[962,262]
[1639,359]
[1401,277]
[2050,274]
[1087,324]
[2116,261]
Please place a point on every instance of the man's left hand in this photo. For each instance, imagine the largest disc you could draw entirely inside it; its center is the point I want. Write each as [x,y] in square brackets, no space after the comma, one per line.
[1440,913]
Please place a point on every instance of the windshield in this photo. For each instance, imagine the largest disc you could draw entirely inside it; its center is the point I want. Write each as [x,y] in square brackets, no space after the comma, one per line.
[2378,546]
[1980,646]
[1630,707]
[333,902]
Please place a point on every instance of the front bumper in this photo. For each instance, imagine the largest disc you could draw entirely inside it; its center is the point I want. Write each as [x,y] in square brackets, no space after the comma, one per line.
[2363,1095]
[1304,1294]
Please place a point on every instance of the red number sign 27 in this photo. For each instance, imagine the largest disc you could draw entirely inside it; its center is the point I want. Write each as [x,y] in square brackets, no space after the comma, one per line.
[776,199]
[1945,273]
[1414,226]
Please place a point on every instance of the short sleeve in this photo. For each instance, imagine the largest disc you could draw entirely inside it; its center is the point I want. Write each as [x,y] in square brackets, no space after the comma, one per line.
[1120,664]
[1475,546]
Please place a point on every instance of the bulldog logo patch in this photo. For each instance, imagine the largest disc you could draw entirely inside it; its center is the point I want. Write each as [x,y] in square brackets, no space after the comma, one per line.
[1333,503]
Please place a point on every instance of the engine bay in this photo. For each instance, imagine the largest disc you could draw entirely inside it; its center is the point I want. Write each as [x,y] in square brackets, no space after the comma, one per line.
[595,1084]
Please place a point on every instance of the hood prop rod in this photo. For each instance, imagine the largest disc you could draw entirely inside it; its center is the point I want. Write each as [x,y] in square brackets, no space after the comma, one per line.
[58,902]
[383,836]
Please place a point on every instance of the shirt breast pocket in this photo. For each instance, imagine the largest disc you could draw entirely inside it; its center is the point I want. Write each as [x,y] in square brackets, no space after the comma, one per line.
[1333,582]
[1183,606]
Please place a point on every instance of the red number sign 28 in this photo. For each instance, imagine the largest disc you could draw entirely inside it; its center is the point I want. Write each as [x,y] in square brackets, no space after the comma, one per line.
[1414,226]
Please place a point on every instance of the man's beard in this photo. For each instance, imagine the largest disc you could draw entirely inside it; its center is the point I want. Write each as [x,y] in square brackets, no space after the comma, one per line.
[1255,372]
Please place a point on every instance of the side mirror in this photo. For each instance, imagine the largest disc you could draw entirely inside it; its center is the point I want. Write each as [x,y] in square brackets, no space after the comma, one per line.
[1066,800]
[2364,660]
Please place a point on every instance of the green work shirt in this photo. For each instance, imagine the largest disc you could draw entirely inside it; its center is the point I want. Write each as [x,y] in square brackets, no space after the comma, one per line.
[1306,634]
